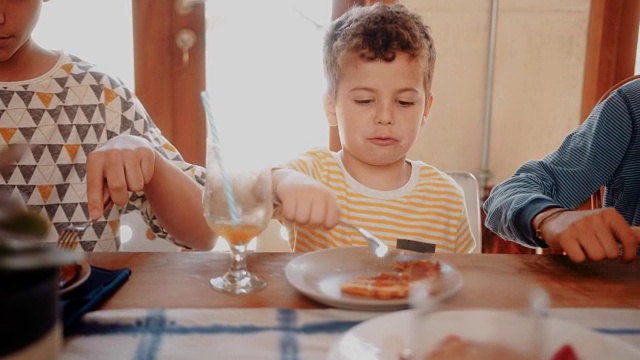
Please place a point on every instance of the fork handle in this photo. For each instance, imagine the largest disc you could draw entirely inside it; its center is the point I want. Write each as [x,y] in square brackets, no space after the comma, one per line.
[107,207]
[349,224]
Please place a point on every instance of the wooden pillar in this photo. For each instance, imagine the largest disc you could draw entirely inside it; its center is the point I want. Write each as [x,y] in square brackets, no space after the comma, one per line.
[153,84]
[168,88]
[611,48]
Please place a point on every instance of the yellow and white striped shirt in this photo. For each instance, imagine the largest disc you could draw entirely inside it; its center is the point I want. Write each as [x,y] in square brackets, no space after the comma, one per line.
[429,208]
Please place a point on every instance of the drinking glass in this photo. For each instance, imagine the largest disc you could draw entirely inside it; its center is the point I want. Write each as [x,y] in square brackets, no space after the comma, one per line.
[238,206]
[441,330]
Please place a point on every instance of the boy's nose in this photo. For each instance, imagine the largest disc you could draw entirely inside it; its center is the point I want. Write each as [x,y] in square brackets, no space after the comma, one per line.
[384,115]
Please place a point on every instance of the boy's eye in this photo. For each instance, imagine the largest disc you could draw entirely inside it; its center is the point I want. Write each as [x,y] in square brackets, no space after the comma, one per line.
[363,101]
[406,103]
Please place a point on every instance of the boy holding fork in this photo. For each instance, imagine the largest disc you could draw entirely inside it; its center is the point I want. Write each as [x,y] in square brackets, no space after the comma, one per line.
[89,140]
[379,63]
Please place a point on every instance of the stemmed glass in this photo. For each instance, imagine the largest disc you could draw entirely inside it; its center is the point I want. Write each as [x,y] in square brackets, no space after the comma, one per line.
[442,329]
[238,206]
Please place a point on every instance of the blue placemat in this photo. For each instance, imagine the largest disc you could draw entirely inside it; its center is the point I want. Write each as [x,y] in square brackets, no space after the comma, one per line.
[93,292]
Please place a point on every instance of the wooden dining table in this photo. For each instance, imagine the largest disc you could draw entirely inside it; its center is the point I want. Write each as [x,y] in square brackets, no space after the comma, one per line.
[181,280]
[167,309]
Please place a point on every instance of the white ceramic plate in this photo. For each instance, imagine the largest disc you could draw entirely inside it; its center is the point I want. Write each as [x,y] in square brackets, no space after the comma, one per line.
[319,275]
[85,271]
[385,337]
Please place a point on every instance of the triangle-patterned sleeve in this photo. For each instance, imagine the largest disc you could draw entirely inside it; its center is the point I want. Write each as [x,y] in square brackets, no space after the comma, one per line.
[133,119]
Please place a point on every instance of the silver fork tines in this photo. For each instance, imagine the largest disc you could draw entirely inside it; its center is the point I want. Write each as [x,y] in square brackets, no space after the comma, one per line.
[69,237]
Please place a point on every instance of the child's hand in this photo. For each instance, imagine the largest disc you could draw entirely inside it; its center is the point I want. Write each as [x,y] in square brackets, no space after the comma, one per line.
[123,164]
[304,200]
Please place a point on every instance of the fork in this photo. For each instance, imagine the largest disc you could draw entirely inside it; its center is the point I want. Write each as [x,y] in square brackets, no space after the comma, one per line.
[68,239]
[70,236]
[376,245]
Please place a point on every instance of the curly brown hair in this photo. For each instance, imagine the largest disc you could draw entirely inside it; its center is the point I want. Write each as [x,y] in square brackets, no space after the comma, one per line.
[377,32]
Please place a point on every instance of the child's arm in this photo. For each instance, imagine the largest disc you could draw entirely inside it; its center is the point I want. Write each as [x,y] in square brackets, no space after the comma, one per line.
[129,163]
[305,200]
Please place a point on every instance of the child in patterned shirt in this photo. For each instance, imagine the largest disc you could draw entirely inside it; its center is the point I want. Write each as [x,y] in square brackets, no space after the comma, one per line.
[379,63]
[90,140]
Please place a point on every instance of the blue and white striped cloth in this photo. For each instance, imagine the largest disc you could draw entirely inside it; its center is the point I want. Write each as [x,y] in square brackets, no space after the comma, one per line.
[261,333]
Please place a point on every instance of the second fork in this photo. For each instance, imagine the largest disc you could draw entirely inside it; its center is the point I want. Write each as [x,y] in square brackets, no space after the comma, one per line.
[69,237]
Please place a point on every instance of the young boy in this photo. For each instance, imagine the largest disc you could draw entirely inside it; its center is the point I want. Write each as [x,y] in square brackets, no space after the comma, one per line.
[90,140]
[379,64]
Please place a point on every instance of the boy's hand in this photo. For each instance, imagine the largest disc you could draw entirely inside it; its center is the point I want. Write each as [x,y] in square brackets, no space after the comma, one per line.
[304,200]
[123,164]
[593,234]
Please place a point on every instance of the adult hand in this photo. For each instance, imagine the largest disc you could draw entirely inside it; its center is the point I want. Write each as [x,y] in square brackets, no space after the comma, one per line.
[123,164]
[305,200]
[594,234]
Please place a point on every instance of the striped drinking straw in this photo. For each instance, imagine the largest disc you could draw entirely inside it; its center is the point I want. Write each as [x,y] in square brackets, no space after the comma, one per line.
[226,185]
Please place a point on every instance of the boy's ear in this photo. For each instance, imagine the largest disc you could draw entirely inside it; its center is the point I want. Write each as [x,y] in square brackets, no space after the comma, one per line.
[330,110]
[427,109]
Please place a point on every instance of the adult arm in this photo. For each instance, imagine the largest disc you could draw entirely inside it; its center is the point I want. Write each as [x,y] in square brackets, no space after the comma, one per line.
[586,160]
